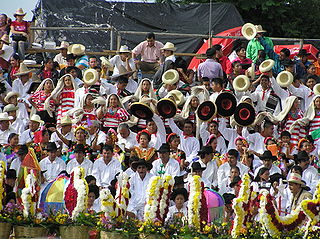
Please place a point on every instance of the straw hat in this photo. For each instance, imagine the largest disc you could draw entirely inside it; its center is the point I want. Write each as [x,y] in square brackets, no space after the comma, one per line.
[66,120]
[124,49]
[36,118]
[284,78]
[122,72]
[77,49]
[316,89]
[266,65]
[4,116]
[5,38]
[105,62]
[63,45]
[10,108]
[259,28]
[295,178]
[90,76]
[170,77]
[23,70]
[178,97]
[9,95]
[241,83]
[249,31]
[19,12]
[169,47]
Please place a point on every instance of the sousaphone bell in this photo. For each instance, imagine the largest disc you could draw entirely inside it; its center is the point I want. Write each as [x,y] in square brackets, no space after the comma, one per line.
[166,108]
[206,110]
[244,114]
[226,104]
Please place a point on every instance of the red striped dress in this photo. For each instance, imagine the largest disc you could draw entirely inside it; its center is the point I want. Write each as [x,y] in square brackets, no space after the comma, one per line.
[66,100]
[315,123]
[113,118]
[39,97]
[298,131]
[88,115]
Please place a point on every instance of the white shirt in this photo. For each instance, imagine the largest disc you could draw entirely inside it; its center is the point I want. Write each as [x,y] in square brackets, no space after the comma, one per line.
[274,169]
[173,210]
[128,142]
[4,135]
[16,163]
[256,142]
[19,125]
[171,168]
[224,171]
[311,177]
[160,137]
[26,137]
[304,93]
[60,59]
[101,138]
[225,186]
[190,145]
[58,141]
[117,62]
[78,96]
[52,168]
[105,173]
[132,86]
[204,135]
[210,173]
[17,86]
[138,188]
[86,165]
[107,88]
[129,172]
[228,133]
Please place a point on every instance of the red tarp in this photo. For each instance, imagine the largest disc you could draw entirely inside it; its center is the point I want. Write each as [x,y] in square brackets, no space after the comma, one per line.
[225,43]
[294,49]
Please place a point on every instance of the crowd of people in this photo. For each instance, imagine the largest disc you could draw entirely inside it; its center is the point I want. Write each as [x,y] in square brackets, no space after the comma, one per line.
[76,111]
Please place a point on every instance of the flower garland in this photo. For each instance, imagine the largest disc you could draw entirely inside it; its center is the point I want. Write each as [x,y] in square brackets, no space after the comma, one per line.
[2,178]
[237,205]
[122,195]
[29,206]
[82,189]
[272,222]
[152,195]
[167,184]
[194,203]
[312,210]
[108,204]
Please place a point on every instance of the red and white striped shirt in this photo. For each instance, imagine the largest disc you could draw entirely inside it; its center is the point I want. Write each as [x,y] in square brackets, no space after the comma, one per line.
[112,119]
[88,115]
[298,131]
[314,124]
[66,100]
[39,97]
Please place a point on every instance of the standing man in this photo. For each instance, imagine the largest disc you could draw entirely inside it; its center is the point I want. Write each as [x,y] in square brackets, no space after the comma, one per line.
[210,68]
[150,51]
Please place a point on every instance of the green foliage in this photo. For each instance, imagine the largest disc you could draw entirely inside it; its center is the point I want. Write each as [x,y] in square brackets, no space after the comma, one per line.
[281,18]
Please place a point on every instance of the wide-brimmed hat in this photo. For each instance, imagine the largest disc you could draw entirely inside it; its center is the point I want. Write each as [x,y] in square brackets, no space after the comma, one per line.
[259,28]
[169,47]
[266,65]
[179,180]
[205,150]
[66,120]
[135,164]
[141,110]
[122,72]
[10,108]
[9,95]
[241,83]
[5,39]
[164,148]
[90,77]
[179,191]
[166,108]
[268,155]
[19,12]
[244,114]
[178,97]
[105,62]
[206,110]
[170,77]
[77,49]
[236,180]
[226,104]
[23,149]
[23,70]
[195,166]
[51,147]
[284,78]
[295,178]
[79,148]
[4,116]
[124,49]
[63,45]
[249,31]
[36,118]
[303,52]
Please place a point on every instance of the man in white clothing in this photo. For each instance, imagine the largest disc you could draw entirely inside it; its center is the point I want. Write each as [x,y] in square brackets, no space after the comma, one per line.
[166,164]
[225,184]
[126,138]
[17,124]
[157,130]
[224,169]
[138,187]
[229,134]
[80,160]
[66,131]
[22,84]
[52,165]
[5,129]
[212,129]
[16,163]
[28,135]
[267,162]
[94,131]
[106,167]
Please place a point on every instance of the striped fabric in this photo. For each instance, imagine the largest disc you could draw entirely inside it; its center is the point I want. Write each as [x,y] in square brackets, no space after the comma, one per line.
[39,97]
[66,100]
[88,115]
[298,132]
[142,124]
[314,124]
[112,119]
